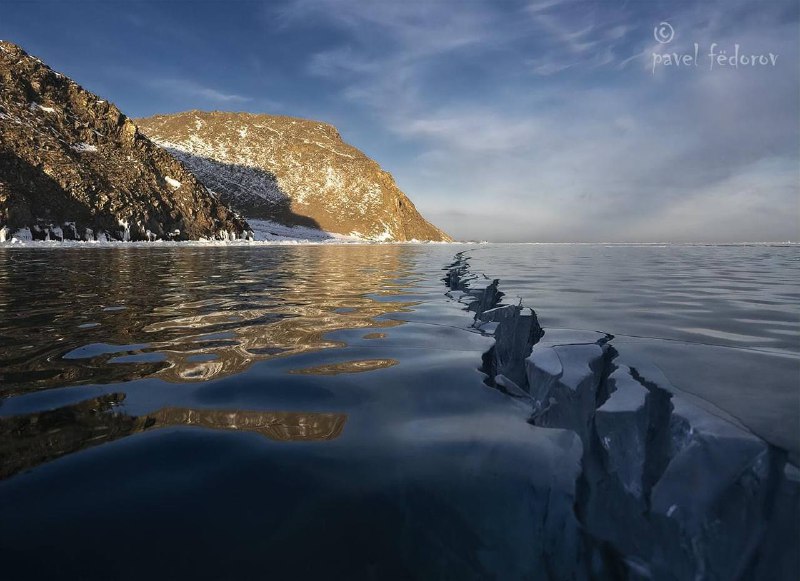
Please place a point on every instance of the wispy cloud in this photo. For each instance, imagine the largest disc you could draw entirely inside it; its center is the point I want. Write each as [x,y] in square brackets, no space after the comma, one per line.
[191,90]
[548,110]
[582,34]
[418,28]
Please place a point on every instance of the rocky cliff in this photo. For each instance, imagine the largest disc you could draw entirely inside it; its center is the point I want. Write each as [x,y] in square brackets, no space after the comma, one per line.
[292,171]
[73,167]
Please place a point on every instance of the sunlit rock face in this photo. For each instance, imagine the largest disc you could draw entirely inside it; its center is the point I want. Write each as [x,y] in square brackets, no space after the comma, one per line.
[73,167]
[292,171]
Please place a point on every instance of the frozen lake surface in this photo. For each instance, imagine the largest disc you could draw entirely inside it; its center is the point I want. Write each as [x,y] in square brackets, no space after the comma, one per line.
[232,412]
[722,322]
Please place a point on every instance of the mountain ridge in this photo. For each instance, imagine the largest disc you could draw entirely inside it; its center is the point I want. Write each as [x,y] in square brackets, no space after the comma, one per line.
[292,170]
[73,166]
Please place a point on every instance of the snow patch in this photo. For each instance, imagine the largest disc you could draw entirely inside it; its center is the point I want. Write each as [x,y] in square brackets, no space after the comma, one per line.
[84,147]
[385,236]
[268,230]
[37,107]
[173,182]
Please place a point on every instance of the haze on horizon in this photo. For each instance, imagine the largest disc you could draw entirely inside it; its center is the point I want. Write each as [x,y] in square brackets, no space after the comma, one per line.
[511,120]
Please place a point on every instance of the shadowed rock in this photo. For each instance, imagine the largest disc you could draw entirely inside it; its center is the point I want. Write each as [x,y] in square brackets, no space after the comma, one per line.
[292,171]
[72,166]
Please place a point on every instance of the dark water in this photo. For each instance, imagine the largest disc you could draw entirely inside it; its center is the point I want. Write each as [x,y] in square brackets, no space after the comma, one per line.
[239,413]
[317,411]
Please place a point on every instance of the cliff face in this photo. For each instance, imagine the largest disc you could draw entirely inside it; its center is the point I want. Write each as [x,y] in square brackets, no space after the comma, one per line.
[73,167]
[292,171]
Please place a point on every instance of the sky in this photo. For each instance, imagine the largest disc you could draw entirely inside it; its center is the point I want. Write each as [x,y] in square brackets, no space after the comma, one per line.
[502,120]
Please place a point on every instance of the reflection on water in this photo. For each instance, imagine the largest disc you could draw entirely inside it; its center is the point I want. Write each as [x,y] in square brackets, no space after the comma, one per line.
[103,316]
[402,463]
[283,426]
[182,315]
[358,366]
[32,439]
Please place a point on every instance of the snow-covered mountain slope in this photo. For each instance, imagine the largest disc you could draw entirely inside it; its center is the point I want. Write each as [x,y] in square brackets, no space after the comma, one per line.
[73,167]
[293,171]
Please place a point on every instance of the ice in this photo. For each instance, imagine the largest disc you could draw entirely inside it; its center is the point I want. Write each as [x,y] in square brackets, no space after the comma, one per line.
[622,424]
[22,235]
[571,336]
[544,361]
[126,229]
[567,398]
[672,487]
[517,331]
[509,387]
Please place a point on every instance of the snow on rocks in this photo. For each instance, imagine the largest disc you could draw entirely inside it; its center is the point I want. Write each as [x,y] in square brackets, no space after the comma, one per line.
[297,172]
[269,230]
[173,182]
[37,107]
[84,147]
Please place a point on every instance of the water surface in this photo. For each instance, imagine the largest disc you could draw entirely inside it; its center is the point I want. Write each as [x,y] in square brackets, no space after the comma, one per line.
[232,412]
[240,412]
[722,322]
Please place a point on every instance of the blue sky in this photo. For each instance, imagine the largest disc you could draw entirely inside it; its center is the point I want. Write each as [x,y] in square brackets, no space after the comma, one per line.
[535,120]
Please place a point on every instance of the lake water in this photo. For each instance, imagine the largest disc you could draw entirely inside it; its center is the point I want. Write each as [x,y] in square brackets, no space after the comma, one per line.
[233,412]
[722,322]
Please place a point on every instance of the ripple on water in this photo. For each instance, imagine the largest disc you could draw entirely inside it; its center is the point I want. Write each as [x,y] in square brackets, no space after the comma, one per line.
[240,410]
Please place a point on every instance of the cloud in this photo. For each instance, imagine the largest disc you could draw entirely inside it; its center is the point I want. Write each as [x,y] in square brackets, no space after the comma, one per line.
[189,90]
[476,131]
[582,34]
[544,121]
[735,208]
[417,28]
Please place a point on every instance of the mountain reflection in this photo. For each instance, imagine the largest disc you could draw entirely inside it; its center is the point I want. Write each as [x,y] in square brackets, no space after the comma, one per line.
[183,314]
[32,439]
[357,366]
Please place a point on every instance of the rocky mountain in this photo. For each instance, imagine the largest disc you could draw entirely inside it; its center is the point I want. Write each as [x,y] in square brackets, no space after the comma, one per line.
[292,171]
[73,167]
